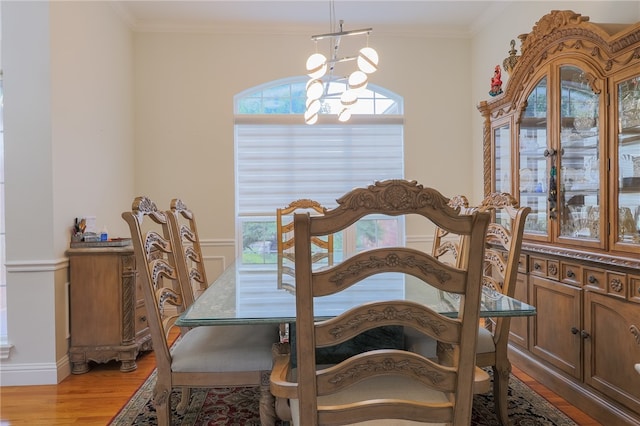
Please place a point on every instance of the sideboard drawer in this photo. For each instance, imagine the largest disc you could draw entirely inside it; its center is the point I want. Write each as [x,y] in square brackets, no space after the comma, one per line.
[595,279]
[571,273]
[538,266]
[634,288]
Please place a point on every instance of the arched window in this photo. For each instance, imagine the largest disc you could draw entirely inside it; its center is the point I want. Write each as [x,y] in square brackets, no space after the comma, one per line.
[279,159]
[288,96]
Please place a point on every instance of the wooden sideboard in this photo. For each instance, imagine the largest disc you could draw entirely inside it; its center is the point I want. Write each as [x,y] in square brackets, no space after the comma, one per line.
[584,341]
[107,313]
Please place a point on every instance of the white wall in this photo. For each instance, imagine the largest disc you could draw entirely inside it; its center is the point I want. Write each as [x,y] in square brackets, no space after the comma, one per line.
[491,46]
[68,76]
[185,84]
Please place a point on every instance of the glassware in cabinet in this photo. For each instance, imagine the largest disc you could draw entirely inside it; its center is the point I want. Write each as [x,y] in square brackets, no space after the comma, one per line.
[533,180]
[628,156]
[579,156]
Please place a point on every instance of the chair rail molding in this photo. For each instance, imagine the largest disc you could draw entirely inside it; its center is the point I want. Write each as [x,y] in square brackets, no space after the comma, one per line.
[44,265]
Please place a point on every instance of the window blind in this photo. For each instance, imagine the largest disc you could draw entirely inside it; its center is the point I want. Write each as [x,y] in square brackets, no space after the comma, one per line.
[277,164]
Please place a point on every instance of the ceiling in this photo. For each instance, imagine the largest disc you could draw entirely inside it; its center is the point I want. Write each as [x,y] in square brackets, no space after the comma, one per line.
[447,18]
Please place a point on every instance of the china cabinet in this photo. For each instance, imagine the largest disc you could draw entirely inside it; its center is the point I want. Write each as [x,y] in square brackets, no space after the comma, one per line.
[564,138]
[108,319]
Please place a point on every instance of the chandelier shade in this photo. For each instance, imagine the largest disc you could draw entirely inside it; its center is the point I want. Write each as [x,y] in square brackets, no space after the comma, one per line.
[310,118]
[348,98]
[316,65]
[315,89]
[344,115]
[313,106]
[358,80]
[368,60]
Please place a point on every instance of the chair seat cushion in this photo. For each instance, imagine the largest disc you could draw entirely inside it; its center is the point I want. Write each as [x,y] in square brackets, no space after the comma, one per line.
[379,387]
[225,348]
[419,343]
[485,341]
[385,337]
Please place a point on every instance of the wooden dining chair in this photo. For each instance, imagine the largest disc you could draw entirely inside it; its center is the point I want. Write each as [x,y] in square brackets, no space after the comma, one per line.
[182,223]
[445,248]
[503,242]
[284,228]
[442,247]
[384,386]
[205,356]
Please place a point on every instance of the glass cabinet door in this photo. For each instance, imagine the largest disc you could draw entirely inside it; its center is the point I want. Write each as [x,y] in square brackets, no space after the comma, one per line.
[579,174]
[502,166]
[534,173]
[502,158]
[628,180]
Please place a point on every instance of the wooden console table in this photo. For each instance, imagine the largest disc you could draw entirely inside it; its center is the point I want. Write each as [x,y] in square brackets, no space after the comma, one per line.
[108,316]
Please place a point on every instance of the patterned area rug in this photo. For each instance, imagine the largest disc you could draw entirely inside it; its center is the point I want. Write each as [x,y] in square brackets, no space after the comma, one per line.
[239,407]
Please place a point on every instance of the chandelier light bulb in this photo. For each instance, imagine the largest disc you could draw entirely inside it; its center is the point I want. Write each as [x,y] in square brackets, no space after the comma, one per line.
[368,60]
[358,80]
[348,98]
[344,115]
[316,65]
[315,89]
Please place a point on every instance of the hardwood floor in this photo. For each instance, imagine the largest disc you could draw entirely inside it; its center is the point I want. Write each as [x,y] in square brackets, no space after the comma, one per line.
[96,397]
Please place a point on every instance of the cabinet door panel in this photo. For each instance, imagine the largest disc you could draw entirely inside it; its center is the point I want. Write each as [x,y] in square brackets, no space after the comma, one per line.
[612,348]
[555,335]
[93,290]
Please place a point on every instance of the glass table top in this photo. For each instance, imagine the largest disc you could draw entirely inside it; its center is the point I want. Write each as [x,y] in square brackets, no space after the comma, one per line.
[265,293]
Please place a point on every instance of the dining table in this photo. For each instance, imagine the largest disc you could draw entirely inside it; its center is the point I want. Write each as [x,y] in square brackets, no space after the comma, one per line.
[259,293]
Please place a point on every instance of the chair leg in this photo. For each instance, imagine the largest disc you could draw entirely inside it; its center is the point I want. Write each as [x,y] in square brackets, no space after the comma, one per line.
[267,407]
[162,404]
[283,410]
[184,400]
[501,373]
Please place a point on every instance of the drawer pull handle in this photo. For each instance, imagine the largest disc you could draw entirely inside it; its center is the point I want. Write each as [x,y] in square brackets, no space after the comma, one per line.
[574,330]
[537,266]
[571,274]
[143,318]
[584,334]
[592,279]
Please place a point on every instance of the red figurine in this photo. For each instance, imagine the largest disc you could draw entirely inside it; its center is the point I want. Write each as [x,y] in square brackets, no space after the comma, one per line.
[496,82]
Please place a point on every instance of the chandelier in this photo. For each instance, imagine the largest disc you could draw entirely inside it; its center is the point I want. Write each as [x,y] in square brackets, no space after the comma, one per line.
[322,73]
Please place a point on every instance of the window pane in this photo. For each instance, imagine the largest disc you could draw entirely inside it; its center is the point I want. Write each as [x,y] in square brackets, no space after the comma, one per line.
[259,243]
[250,106]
